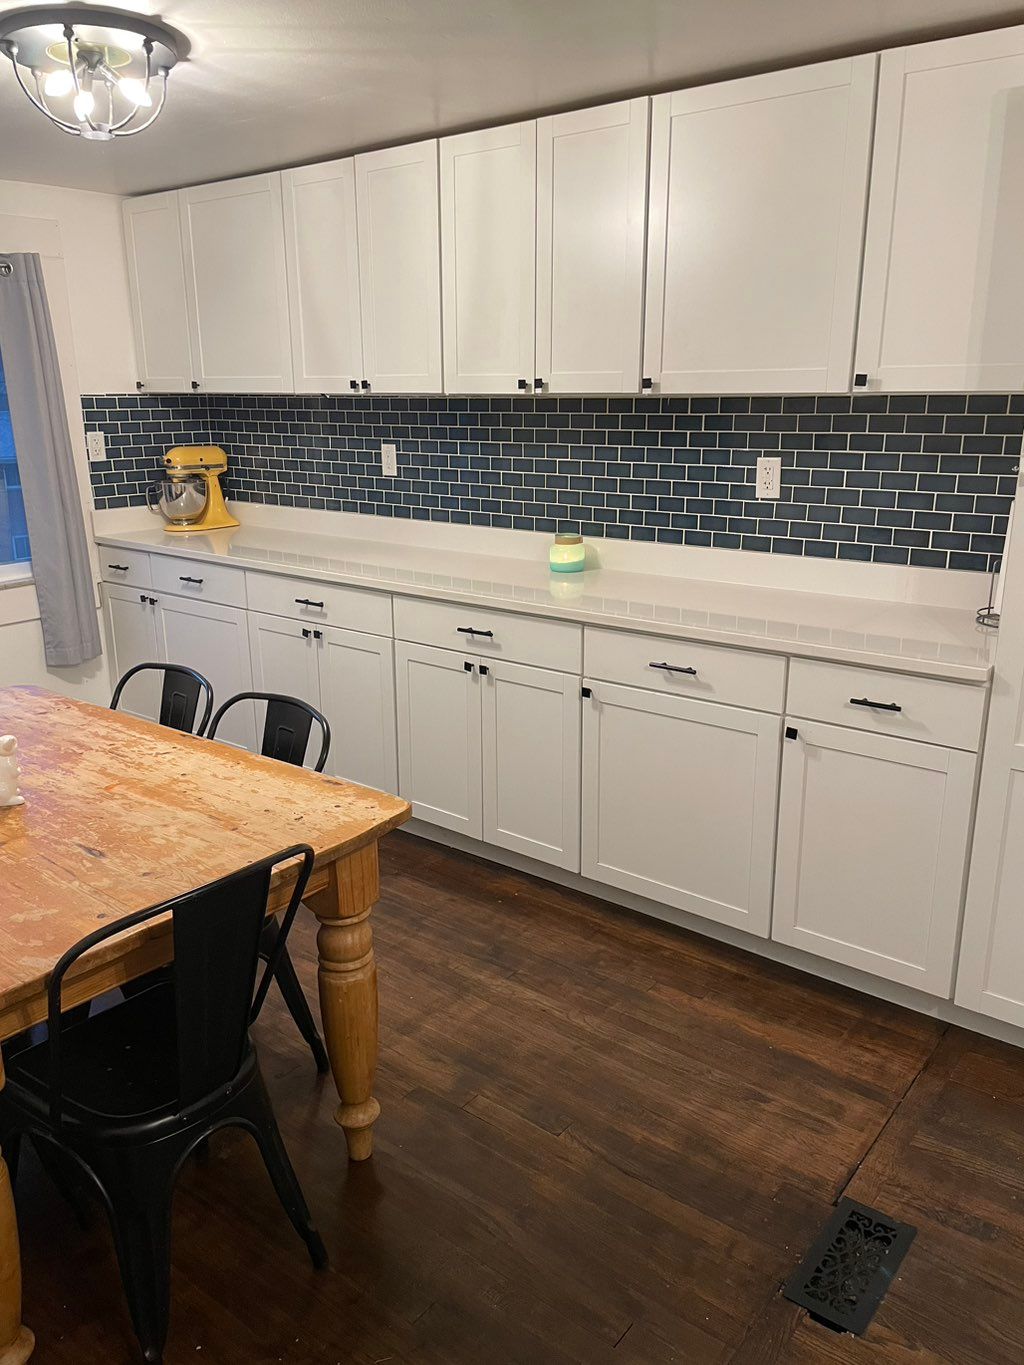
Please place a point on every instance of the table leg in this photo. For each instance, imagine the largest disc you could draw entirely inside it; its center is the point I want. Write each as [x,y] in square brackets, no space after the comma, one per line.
[16,1341]
[348,991]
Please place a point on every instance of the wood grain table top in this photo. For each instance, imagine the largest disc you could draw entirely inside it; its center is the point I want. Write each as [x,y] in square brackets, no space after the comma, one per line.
[121,813]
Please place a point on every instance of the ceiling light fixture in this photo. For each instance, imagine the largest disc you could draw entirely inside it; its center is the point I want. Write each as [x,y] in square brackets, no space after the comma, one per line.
[95,73]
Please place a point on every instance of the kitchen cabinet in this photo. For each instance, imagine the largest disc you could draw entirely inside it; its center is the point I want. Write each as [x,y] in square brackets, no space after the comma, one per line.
[346,674]
[400,268]
[133,638]
[214,640]
[679,802]
[156,279]
[872,851]
[439,740]
[755,224]
[531,761]
[591,213]
[236,285]
[323,276]
[943,291]
[488,249]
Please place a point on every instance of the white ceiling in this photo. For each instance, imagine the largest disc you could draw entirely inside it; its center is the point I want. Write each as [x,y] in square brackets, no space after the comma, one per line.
[279,82]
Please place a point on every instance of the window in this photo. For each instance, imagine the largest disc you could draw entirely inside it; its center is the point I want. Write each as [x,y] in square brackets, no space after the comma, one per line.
[13,530]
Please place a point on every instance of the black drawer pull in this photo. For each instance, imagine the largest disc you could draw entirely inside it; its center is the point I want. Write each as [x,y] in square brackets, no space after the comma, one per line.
[472,630]
[121,568]
[184,578]
[674,668]
[308,602]
[306,632]
[467,666]
[875,705]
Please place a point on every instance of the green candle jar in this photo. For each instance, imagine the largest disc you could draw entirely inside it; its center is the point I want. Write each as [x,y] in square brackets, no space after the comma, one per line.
[568,554]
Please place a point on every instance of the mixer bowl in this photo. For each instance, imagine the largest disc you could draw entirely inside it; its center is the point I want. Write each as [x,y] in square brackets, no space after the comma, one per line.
[181,500]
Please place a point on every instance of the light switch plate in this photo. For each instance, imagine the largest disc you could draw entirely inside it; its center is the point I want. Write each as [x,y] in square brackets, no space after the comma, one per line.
[388,459]
[769,476]
[96,445]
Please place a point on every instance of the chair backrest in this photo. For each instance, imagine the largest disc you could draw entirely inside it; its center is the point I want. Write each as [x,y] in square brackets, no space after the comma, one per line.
[286,727]
[179,695]
[216,932]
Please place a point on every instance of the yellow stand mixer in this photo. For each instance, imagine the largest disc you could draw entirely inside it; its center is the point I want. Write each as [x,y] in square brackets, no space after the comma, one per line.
[190,497]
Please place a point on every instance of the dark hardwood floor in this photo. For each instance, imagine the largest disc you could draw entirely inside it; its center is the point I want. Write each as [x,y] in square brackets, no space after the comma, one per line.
[604,1142]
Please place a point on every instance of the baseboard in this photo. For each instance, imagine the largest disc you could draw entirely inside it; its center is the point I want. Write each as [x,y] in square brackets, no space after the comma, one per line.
[890,991]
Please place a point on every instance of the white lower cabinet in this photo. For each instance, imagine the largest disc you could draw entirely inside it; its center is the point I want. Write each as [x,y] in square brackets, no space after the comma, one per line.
[134,639]
[438,693]
[872,851]
[214,640]
[679,802]
[491,749]
[345,674]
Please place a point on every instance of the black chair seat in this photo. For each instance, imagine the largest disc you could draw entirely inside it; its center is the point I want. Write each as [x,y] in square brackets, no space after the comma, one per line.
[121,1064]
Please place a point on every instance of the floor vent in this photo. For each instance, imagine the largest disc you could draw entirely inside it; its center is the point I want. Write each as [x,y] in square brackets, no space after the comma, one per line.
[844,1276]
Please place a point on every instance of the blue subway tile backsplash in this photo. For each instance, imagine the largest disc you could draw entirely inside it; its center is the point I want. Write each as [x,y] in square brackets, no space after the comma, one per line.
[894,479]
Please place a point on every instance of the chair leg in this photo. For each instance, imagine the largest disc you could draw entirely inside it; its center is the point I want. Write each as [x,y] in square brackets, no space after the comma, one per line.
[298,1007]
[281,1172]
[140,1215]
[67,1179]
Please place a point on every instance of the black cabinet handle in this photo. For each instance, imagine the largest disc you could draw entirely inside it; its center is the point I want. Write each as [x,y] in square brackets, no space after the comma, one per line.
[195,383]
[467,666]
[139,384]
[647,383]
[472,630]
[364,383]
[875,705]
[484,671]
[306,632]
[586,692]
[184,578]
[538,383]
[143,598]
[522,383]
[674,668]
[121,568]
[860,381]
[791,732]
[318,635]
[308,602]
[354,384]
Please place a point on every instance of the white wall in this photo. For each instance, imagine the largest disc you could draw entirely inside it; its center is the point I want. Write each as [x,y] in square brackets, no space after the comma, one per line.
[78,234]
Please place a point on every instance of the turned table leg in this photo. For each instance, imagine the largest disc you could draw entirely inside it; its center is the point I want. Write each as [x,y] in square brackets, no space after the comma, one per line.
[16,1341]
[348,991]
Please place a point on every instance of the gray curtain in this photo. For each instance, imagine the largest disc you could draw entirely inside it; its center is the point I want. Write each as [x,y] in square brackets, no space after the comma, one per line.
[46,465]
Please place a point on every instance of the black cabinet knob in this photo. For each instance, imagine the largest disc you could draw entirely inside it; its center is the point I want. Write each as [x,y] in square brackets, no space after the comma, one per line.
[538,383]
[195,383]
[354,384]
[364,383]
[139,384]
[522,383]
[860,381]
[647,383]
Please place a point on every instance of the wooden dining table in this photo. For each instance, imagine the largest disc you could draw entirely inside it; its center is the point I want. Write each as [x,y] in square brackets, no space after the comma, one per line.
[120,814]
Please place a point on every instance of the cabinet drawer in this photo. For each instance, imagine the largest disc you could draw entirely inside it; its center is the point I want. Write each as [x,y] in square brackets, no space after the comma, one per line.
[125,566]
[497,634]
[306,599]
[195,578]
[704,672]
[927,709]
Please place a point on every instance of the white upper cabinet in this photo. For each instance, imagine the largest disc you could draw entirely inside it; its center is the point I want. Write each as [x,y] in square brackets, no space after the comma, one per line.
[756,220]
[399,268]
[236,285]
[323,276]
[591,208]
[156,276]
[942,305]
[488,232]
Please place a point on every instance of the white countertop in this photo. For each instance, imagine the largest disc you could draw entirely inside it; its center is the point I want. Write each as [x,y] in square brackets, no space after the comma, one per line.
[942,642]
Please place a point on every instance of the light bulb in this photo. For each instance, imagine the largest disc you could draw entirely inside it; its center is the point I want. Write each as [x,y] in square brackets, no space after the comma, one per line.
[85,102]
[135,90]
[60,82]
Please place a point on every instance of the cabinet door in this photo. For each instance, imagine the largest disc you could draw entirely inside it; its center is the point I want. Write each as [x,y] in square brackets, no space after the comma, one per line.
[156,278]
[400,268]
[679,802]
[758,195]
[357,695]
[236,285]
[943,292]
[285,660]
[214,640]
[591,208]
[488,236]
[872,852]
[323,276]
[438,696]
[531,762]
[134,639]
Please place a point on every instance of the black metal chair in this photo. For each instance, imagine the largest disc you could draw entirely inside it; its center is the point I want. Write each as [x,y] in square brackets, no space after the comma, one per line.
[124,1097]
[179,696]
[286,731]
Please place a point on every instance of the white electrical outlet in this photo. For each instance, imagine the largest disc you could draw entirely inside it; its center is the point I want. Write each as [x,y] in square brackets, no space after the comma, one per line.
[769,476]
[388,459]
[96,445]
